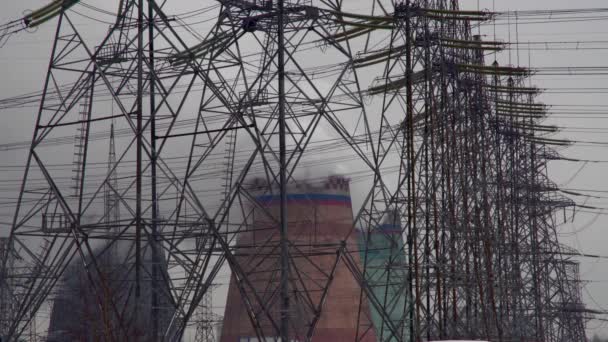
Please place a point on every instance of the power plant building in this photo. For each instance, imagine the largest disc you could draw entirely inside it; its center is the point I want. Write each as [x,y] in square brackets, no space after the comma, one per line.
[83,312]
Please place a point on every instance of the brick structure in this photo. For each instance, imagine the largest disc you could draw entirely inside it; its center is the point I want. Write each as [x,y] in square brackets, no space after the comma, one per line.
[319,220]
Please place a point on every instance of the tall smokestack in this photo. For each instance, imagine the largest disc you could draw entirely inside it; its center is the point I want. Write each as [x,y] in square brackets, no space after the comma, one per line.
[325,301]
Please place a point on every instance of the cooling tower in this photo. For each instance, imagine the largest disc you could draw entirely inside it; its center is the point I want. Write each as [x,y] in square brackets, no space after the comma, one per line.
[384,255]
[324,296]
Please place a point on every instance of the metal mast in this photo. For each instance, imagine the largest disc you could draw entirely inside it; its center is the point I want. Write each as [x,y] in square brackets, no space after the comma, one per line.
[139,146]
[283,177]
[111,198]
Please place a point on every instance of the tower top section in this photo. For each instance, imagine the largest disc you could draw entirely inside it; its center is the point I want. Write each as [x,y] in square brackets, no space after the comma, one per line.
[333,190]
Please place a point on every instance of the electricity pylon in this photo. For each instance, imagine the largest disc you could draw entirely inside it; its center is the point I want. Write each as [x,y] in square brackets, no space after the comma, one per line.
[402,94]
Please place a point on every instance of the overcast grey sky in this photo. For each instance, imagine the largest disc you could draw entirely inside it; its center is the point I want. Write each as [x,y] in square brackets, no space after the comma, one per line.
[24,59]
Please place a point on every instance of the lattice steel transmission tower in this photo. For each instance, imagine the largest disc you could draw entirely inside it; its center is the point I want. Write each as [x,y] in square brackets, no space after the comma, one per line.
[7,303]
[449,232]
[111,198]
[208,320]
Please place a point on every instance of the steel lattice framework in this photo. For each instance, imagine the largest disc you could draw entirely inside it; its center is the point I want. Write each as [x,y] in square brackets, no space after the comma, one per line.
[451,146]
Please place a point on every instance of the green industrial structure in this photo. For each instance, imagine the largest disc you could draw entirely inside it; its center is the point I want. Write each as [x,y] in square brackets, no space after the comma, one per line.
[385,257]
